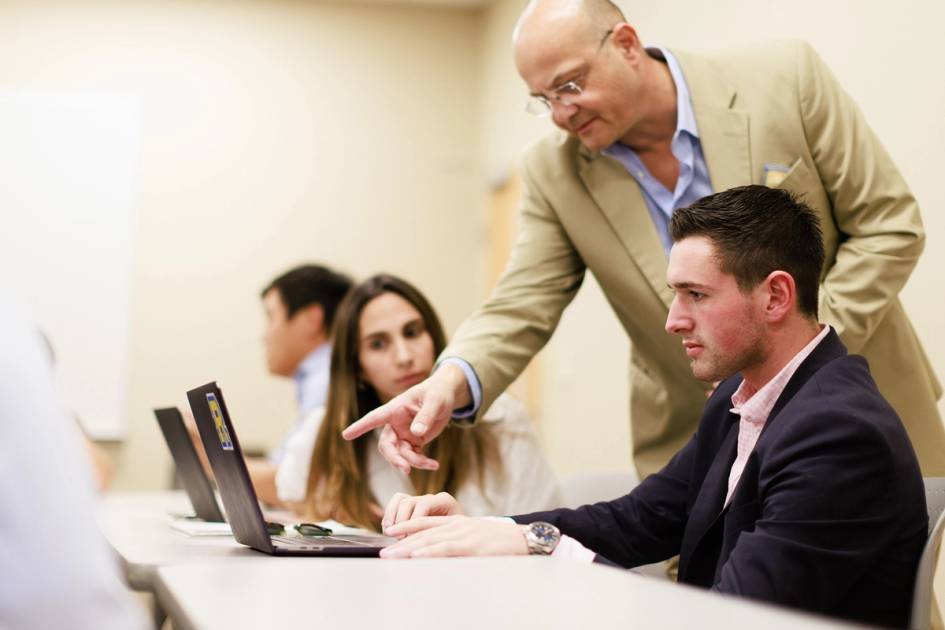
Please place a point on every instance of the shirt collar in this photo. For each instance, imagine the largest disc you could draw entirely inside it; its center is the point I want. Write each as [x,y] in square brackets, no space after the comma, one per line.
[756,405]
[685,114]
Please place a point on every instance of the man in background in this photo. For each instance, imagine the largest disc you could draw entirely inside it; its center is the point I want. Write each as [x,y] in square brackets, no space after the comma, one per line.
[300,308]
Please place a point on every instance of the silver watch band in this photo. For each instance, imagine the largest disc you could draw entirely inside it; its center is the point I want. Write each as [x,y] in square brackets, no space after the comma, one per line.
[541,538]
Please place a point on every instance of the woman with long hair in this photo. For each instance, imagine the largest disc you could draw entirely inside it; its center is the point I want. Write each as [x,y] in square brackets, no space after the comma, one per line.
[385,338]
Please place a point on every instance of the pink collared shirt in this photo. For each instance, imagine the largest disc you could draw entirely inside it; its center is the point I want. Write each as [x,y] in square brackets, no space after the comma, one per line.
[753,407]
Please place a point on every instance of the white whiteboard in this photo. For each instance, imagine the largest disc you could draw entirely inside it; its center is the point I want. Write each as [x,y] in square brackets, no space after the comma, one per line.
[68,164]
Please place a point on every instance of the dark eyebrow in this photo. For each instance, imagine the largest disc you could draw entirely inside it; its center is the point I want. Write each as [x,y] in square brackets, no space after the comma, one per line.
[375,335]
[686,285]
[415,320]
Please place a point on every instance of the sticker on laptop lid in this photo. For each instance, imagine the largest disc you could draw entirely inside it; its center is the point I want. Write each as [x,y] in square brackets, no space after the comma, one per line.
[217,416]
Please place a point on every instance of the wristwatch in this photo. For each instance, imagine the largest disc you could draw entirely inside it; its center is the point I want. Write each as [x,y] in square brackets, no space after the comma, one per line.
[541,538]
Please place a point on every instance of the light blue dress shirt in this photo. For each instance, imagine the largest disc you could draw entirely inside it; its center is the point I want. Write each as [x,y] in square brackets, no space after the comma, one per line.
[311,379]
[693,184]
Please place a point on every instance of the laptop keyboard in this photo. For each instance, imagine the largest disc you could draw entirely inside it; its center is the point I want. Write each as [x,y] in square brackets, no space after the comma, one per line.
[324,541]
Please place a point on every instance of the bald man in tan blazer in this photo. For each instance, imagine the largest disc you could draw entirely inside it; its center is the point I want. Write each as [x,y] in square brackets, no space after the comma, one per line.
[771,115]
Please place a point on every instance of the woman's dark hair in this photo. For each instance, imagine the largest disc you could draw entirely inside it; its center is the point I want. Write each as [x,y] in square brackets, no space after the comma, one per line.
[338,485]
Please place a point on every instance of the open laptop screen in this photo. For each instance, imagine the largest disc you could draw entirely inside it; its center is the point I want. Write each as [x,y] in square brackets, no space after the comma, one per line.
[189,469]
[229,468]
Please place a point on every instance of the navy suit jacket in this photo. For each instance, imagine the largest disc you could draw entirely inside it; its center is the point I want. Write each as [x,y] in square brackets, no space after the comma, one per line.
[829,514]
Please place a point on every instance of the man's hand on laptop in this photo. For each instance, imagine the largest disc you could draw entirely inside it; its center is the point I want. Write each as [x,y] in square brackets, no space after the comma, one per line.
[414,418]
[433,525]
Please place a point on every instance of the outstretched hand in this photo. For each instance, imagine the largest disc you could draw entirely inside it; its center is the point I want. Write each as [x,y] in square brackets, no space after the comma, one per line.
[414,418]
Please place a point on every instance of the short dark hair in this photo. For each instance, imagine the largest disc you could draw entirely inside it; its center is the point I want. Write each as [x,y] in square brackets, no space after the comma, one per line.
[757,230]
[311,284]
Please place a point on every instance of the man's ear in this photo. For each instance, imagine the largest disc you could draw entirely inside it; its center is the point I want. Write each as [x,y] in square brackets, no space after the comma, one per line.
[781,295]
[627,41]
[313,316]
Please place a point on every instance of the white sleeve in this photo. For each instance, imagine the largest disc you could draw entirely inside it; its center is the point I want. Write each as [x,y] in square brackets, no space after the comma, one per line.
[292,474]
[528,483]
[570,549]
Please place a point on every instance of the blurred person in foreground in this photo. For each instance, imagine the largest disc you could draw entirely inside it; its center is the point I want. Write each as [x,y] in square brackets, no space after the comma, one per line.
[59,571]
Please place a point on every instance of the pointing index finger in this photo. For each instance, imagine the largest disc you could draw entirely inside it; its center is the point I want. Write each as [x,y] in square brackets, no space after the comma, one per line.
[377,418]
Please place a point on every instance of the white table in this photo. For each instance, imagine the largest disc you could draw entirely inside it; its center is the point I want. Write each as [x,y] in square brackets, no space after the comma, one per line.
[137,525]
[463,593]
[214,582]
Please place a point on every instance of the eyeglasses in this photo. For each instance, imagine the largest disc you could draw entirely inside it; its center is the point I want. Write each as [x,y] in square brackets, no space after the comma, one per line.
[566,93]
[306,529]
[311,529]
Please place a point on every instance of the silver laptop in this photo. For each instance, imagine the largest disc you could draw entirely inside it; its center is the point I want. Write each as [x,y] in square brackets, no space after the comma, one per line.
[239,497]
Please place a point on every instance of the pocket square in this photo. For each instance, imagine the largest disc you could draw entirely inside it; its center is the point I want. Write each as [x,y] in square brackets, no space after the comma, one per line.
[774,174]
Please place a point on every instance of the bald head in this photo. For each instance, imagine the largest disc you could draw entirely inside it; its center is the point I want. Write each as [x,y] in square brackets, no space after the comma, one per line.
[585,65]
[571,24]
[591,16]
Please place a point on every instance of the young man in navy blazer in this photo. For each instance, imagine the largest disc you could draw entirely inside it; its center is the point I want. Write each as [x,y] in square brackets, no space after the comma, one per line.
[800,486]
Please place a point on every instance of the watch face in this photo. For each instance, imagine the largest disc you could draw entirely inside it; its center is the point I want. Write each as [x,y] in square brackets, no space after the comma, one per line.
[544,532]
[542,538]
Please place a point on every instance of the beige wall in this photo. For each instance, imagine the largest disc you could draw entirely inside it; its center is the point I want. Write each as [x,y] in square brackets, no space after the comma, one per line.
[888,59]
[272,133]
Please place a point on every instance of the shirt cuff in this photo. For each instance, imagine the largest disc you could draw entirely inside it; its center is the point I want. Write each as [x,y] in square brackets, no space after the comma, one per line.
[567,549]
[475,389]
[570,549]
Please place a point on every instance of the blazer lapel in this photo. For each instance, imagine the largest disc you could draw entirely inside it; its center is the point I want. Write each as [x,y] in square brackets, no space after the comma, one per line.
[723,130]
[621,202]
[708,503]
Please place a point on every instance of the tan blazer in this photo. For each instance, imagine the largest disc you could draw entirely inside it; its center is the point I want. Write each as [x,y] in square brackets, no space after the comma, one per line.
[776,103]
